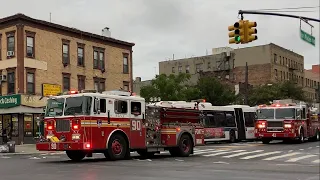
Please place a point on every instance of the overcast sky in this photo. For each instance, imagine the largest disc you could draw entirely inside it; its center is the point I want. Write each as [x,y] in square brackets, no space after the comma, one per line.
[185,28]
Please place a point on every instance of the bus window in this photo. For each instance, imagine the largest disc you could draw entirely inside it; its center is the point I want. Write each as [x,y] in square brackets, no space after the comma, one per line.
[220,119]
[249,119]
[230,119]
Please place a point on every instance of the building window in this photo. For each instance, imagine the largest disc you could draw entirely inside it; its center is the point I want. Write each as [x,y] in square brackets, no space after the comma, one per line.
[66,82]
[198,67]
[209,65]
[0,50]
[125,64]
[276,73]
[98,58]
[99,84]
[275,58]
[65,51]
[180,69]
[11,82]
[187,69]
[30,83]
[10,44]
[80,55]
[126,86]
[30,41]
[173,70]
[81,82]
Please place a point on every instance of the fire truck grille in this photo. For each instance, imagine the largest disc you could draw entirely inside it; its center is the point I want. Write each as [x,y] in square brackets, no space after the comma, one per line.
[275,124]
[62,125]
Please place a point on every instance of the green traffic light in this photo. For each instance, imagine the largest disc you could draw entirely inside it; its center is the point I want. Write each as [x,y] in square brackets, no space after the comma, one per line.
[237,38]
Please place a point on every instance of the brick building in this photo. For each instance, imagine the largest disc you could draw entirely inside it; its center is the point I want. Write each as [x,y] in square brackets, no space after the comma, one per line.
[39,58]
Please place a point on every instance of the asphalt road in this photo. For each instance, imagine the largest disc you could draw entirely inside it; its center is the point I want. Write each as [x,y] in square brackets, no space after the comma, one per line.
[215,166]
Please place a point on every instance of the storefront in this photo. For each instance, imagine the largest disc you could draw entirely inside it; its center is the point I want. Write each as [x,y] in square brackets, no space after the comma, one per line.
[20,114]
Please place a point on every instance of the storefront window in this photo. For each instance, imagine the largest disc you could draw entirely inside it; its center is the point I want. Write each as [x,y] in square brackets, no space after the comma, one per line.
[15,125]
[27,127]
[37,129]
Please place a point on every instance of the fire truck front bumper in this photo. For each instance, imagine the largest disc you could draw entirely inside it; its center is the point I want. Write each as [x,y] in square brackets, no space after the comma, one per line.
[275,135]
[62,146]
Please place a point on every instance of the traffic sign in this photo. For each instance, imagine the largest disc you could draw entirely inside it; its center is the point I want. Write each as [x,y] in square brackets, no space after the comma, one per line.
[307,37]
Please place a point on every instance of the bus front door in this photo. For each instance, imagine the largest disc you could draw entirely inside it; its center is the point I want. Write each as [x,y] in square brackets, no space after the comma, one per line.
[240,124]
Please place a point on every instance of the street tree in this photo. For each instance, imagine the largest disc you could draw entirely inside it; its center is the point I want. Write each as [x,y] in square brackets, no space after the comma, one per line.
[215,92]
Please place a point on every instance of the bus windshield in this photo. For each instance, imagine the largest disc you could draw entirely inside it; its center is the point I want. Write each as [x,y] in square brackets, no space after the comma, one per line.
[80,105]
[285,113]
[54,107]
[265,114]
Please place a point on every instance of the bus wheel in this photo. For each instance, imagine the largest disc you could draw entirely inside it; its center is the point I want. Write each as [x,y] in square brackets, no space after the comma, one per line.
[185,146]
[232,137]
[76,155]
[117,147]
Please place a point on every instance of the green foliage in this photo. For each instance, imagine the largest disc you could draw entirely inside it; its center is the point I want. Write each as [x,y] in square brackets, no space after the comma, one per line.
[266,93]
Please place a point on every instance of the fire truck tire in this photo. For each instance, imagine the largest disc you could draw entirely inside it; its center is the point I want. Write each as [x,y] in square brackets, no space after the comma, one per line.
[301,136]
[185,146]
[117,147]
[317,135]
[76,155]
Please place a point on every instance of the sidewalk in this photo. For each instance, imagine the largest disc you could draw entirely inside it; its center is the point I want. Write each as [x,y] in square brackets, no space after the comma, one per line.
[28,149]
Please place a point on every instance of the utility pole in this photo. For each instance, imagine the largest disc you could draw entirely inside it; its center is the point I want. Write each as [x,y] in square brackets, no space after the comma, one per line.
[246,85]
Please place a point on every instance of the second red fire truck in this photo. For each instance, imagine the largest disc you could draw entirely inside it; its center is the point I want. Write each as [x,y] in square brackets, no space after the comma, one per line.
[287,120]
[116,123]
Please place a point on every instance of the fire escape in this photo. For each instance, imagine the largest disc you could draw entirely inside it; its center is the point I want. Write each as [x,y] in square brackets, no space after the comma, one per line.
[223,70]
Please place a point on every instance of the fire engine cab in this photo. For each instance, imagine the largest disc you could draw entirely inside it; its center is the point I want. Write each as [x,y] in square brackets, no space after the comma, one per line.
[116,123]
[286,120]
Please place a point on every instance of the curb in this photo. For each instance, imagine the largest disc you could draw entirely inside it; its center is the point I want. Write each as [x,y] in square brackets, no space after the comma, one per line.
[35,153]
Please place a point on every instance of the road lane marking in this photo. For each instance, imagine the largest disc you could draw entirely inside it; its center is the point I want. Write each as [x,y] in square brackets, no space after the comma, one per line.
[204,152]
[259,155]
[301,149]
[242,153]
[216,154]
[316,161]
[299,158]
[281,156]
[310,148]
[290,151]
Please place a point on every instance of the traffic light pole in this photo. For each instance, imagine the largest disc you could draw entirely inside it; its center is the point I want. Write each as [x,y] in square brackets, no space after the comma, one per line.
[241,12]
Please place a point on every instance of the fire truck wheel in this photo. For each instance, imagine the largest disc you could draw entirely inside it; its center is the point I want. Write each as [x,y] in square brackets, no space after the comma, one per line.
[301,136]
[76,155]
[318,136]
[185,146]
[117,147]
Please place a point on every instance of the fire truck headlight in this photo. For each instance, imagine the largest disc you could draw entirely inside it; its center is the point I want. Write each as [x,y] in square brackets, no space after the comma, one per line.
[261,126]
[287,125]
[75,136]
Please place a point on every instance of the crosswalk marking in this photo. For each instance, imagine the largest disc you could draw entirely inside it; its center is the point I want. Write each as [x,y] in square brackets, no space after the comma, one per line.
[216,154]
[204,152]
[259,155]
[301,157]
[242,153]
[316,161]
[281,156]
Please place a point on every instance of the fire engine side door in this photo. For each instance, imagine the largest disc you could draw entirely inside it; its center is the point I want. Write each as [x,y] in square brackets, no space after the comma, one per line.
[137,128]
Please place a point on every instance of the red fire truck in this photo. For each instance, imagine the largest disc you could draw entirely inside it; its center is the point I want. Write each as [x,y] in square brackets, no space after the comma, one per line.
[116,123]
[286,120]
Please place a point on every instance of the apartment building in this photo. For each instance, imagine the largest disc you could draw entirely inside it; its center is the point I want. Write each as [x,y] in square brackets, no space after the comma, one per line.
[312,83]
[268,63]
[219,64]
[39,58]
[138,84]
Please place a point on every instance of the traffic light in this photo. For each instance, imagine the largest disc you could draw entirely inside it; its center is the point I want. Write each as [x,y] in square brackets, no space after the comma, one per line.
[250,31]
[237,32]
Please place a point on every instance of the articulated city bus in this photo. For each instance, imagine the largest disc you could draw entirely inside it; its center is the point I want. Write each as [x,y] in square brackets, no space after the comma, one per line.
[228,123]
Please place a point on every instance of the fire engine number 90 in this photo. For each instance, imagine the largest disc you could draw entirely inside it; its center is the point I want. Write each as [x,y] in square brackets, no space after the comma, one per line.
[135,125]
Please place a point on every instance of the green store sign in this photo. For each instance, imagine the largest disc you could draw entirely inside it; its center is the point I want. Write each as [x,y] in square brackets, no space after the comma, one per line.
[10,101]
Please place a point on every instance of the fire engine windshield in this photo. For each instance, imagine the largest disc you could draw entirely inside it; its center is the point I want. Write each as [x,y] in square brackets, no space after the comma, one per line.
[78,105]
[54,107]
[285,113]
[265,114]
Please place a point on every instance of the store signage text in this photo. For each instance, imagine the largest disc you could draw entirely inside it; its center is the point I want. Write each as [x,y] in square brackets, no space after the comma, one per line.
[10,101]
[51,89]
